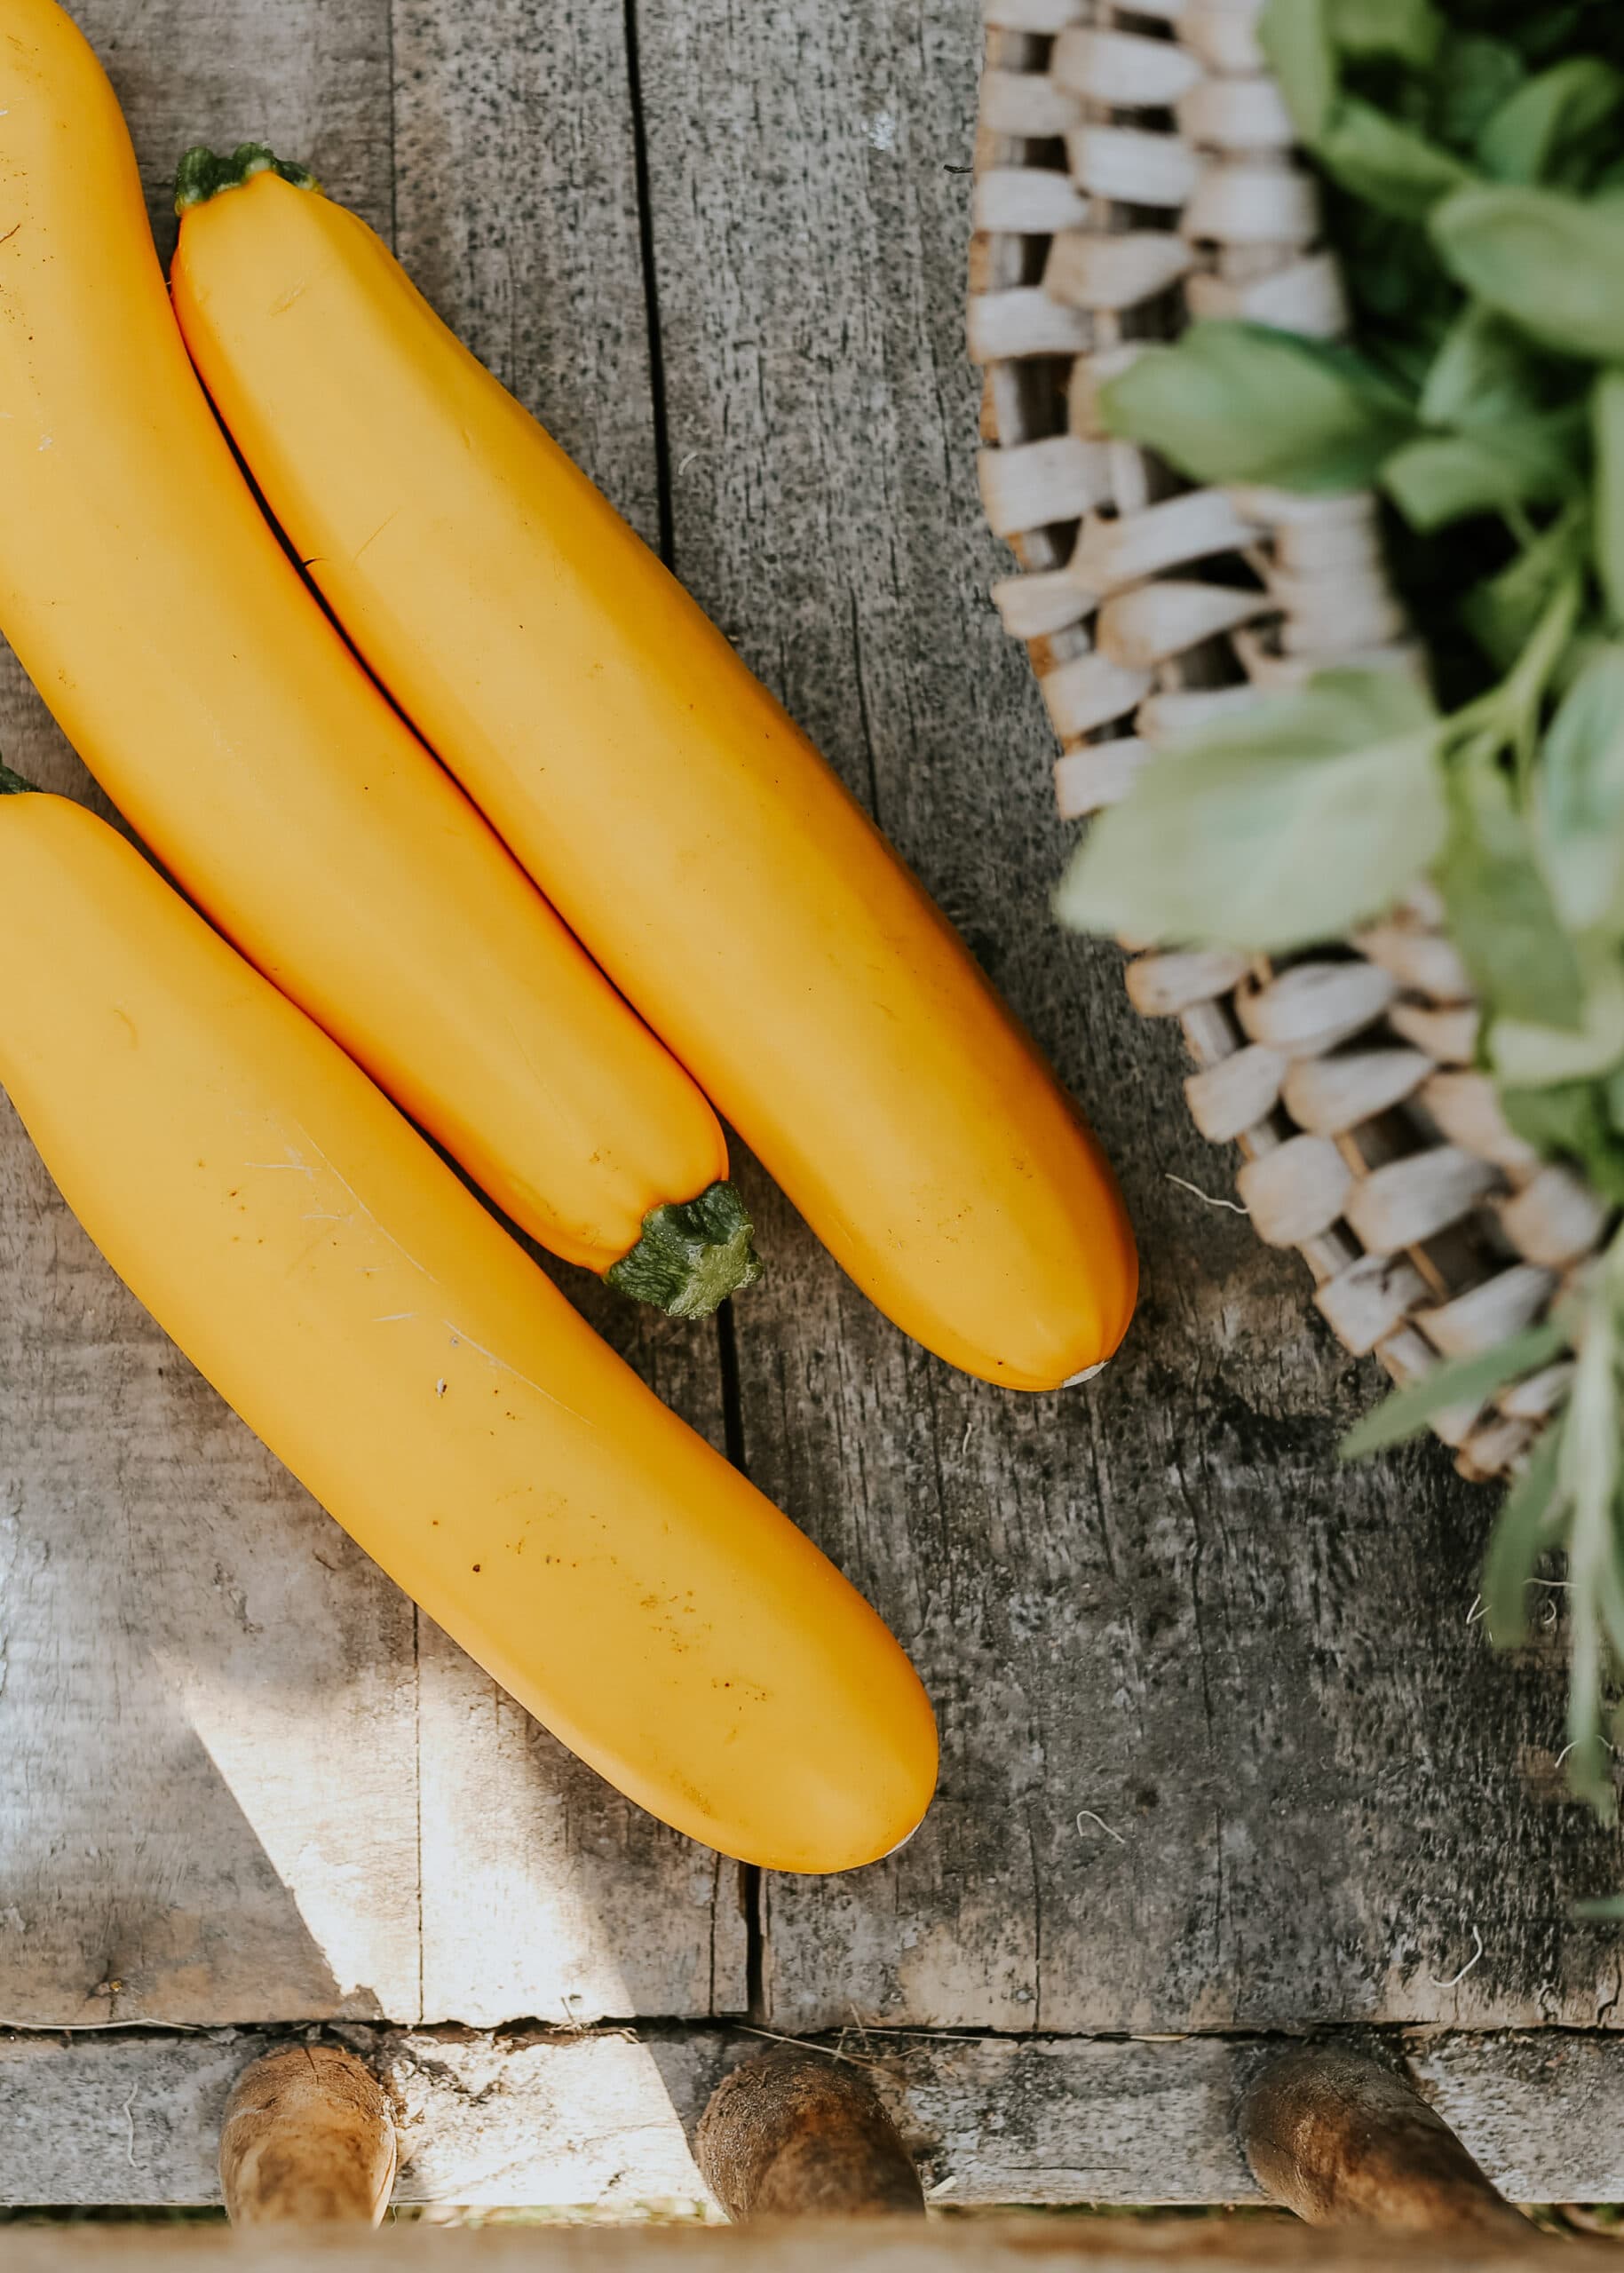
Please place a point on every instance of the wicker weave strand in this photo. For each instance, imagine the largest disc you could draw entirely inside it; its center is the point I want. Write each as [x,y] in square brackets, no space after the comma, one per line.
[1134,170]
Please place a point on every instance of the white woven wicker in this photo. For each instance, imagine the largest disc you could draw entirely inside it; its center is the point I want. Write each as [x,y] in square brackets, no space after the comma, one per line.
[1134,170]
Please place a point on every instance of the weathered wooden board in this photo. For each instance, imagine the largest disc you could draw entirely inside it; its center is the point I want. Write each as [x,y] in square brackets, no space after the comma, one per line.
[604,2118]
[1156,1599]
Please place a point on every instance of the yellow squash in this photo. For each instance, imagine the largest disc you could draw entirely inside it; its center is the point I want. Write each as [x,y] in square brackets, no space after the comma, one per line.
[195,673]
[388,1340]
[685,829]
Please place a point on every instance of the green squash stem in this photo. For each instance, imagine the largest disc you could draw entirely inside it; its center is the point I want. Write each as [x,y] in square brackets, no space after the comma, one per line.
[12,784]
[693,1253]
[201,174]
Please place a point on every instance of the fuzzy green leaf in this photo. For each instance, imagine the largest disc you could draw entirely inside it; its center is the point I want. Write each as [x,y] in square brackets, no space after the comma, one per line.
[1237,402]
[1552,122]
[1526,1054]
[1572,1118]
[1223,838]
[1581,797]
[1409,30]
[1607,432]
[1463,1380]
[1550,263]
[1502,612]
[1484,373]
[1443,478]
[1390,166]
[1522,1532]
[1474,77]
[1296,39]
[1522,961]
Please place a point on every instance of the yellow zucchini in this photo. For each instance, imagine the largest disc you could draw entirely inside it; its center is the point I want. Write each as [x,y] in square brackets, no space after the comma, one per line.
[197,676]
[386,1339]
[685,829]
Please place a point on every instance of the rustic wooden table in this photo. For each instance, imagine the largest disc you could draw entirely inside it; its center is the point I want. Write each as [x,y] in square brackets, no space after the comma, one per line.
[1225,1753]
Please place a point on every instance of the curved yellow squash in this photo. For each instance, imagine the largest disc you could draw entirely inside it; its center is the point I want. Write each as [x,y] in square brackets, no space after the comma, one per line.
[685,828]
[187,662]
[389,1342]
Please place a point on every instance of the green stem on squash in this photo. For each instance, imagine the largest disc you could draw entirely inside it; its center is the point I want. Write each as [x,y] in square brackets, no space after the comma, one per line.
[202,174]
[12,784]
[692,1254]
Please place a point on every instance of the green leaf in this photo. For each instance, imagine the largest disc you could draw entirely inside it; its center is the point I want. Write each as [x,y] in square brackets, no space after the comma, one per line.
[1580,786]
[1603,1906]
[1502,612]
[1548,262]
[1313,812]
[1474,77]
[1588,1477]
[1446,478]
[1390,166]
[1607,431]
[1297,43]
[1521,961]
[1484,373]
[1572,1118]
[1410,29]
[1236,402]
[1526,1054]
[1552,122]
[1521,1535]
[1463,1380]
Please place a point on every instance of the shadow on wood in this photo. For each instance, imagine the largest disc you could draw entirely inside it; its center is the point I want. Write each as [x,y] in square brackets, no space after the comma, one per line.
[308,2139]
[797,2134]
[1345,2142]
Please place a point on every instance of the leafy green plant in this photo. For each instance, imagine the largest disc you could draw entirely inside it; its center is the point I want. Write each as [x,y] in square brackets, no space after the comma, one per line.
[1475,194]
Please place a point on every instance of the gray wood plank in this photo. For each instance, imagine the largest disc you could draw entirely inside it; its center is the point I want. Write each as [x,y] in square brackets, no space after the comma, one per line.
[604,2117]
[516,212]
[1156,1599]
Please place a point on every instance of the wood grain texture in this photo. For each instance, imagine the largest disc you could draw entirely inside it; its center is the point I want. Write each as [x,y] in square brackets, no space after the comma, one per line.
[529,2117]
[1002,2245]
[1221,1746]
